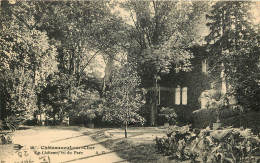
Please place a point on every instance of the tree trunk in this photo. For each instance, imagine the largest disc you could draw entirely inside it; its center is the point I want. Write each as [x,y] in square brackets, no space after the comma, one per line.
[61,118]
[152,118]
[3,100]
[153,104]
[108,70]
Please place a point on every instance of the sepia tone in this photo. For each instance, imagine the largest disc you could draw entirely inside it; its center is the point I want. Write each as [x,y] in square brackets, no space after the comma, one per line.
[129,81]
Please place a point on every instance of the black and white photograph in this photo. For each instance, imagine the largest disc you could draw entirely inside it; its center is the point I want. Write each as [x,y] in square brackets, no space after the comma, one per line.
[129,81]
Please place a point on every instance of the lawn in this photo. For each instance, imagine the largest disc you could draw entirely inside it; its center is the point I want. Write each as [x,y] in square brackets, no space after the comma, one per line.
[138,147]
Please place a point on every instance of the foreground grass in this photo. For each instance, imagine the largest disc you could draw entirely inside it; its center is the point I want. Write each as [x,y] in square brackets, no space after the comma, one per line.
[129,149]
[133,152]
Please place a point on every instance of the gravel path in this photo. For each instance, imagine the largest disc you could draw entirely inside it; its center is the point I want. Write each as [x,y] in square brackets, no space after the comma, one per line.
[56,146]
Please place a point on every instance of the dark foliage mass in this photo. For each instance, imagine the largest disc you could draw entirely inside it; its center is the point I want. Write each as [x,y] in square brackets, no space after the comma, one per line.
[234,42]
[63,59]
[226,145]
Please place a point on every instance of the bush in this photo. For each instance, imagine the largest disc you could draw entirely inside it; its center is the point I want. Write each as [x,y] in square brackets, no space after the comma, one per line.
[31,122]
[11,123]
[247,119]
[167,115]
[5,139]
[205,117]
[178,138]
[227,145]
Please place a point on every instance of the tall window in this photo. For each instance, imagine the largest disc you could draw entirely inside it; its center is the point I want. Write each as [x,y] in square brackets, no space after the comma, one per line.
[178,95]
[184,95]
[204,66]
[181,95]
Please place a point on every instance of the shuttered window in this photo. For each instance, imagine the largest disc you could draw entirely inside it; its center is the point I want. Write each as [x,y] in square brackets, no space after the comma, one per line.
[181,95]
[184,95]
[204,66]
[178,96]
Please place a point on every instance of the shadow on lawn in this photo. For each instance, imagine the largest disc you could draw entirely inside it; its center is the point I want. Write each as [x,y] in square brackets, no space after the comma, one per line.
[124,149]
[124,160]
[112,151]
[83,134]
[24,128]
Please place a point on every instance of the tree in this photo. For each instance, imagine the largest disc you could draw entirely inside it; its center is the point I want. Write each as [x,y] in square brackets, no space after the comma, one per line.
[233,42]
[72,26]
[84,31]
[28,57]
[163,30]
[124,99]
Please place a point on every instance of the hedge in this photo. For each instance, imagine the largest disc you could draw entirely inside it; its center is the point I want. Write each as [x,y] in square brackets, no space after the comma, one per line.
[228,117]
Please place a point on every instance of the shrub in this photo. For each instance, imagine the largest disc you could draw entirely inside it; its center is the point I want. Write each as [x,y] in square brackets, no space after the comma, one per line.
[5,139]
[168,115]
[10,122]
[227,145]
[31,122]
[205,117]
[250,119]
[178,138]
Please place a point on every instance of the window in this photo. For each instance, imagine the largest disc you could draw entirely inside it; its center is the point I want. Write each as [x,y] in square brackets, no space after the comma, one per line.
[178,95]
[181,95]
[204,66]
[184,95]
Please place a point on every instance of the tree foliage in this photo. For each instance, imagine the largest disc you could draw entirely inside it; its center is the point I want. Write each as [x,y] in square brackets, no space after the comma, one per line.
[234,42]
[66,36]
[124,98]
[162,32]
[159,32]
[28,58]
[61,58]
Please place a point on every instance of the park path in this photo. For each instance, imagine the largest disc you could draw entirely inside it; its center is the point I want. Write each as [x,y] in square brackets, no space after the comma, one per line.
[57,146]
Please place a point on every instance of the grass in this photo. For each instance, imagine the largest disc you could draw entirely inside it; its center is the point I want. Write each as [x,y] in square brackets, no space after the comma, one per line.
[133,152]
[135,148]
[130,149]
